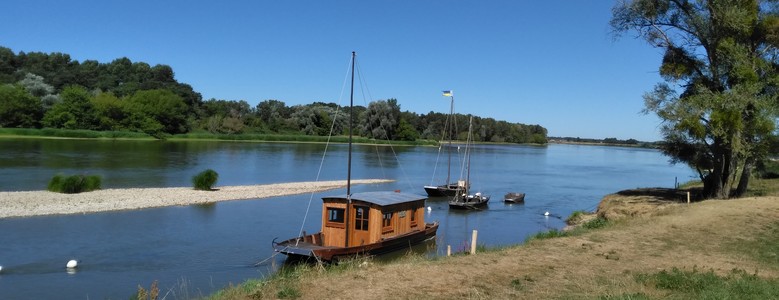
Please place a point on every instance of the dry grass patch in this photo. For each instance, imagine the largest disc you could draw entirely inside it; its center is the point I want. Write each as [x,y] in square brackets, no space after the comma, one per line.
[710,236]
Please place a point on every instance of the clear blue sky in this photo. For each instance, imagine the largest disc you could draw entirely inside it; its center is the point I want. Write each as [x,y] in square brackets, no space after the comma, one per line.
[553,63]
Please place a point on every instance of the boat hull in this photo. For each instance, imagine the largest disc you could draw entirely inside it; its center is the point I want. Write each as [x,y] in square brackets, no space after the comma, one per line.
[446,190]
[309,246]
[514,198]
[469,202]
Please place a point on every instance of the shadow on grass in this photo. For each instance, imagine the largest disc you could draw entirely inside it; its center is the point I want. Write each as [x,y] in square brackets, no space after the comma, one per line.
[660,195]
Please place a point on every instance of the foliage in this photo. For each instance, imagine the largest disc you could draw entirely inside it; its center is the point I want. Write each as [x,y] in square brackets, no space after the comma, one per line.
[74,184]
[74,112]
[721,55]
[381,119]
[596,223]
[575,216]
[737,284]
[158,111]
[205,180]
[122,95]
[406,132]
[17,108]
[35,85]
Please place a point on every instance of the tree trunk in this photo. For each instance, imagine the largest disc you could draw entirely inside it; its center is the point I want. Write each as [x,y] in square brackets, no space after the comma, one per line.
[743,183]
[718,183]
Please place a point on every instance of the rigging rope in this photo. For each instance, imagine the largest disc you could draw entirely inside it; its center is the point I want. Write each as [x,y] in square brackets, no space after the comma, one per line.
[327,144]
[366,91]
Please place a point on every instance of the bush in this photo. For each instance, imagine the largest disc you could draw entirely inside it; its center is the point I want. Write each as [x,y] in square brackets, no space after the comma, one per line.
[205,180]
[74,184]
[596,223]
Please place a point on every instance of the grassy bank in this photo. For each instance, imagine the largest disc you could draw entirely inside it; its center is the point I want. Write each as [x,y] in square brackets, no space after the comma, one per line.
[714,249]
[92,134]
[73,134]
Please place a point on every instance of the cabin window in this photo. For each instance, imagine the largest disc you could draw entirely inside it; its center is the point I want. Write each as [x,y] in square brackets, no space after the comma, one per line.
[361,218]
[335,217]
[413,217]
[387,222]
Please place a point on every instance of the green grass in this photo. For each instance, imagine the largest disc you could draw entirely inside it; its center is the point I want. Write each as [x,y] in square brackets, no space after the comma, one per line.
[69,133]
[552,233]
[575,216]
[596,223]
[593,224]
[74,184]
[737,284]
[257,137]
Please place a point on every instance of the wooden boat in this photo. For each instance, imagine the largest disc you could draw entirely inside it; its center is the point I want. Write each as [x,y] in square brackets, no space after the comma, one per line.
[465,200]
[448,189]
[475,201]
[367,223]
[514,198]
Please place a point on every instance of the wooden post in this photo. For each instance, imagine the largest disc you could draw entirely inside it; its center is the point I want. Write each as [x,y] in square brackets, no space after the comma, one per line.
[688,197]
[448,250]
[473,241]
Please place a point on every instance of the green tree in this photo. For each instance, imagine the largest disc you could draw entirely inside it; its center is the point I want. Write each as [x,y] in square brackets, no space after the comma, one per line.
[718,101]
[381,119]
[74,112]
[158,111]
[18,108]
[111,112]
[406,132]
[273,113]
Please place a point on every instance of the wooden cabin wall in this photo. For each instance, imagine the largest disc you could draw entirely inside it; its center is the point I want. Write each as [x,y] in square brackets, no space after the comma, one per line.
[332,236]
[401,225]
[374,221]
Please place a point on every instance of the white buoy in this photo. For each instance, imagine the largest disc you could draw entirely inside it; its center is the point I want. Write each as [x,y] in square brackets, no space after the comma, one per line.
[429,208]
[72,264]
[546,214]
[1,268]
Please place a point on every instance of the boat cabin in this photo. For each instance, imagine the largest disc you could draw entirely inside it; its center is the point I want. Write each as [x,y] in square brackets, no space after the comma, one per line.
[370,217]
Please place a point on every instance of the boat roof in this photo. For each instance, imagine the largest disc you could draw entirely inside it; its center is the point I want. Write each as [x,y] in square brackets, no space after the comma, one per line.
[381,198]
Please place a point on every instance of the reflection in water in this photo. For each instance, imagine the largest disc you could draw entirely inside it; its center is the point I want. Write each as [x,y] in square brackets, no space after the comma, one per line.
[212,245]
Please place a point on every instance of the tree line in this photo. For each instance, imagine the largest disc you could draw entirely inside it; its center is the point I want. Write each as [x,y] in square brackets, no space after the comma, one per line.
[52,90]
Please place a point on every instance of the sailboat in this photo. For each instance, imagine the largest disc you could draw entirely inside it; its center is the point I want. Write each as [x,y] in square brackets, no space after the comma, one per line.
[448,189]
[466,200]
[368,223]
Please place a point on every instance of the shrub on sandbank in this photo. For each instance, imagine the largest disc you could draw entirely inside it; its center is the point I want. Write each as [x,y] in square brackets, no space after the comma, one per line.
[74,184]
[205,180]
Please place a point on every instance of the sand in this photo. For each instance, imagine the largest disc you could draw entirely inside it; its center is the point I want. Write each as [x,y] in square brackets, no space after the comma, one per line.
[38,203]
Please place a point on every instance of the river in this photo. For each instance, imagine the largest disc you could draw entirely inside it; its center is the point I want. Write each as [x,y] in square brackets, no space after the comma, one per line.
[195,250]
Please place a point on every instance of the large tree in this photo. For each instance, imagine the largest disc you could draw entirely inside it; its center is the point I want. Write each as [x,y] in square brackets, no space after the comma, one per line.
[18,108]
[717,104]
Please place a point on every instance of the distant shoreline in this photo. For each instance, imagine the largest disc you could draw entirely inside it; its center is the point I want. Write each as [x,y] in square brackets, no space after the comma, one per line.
[40,203]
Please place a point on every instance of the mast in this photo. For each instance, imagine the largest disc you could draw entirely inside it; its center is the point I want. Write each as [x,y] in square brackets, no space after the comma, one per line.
[349,164]
[449,147]
[351,120]
[468,153]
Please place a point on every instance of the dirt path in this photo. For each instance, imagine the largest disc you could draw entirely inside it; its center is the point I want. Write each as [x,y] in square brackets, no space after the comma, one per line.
[35,203]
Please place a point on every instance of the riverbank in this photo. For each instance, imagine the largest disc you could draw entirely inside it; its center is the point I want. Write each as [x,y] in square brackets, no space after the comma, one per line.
[37,203]
[52,133]
[676,251]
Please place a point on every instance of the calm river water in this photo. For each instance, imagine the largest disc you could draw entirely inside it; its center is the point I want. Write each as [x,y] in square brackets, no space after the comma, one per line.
[195,250]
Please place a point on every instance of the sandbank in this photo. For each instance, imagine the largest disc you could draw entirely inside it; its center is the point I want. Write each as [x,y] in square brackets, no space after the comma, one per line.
[38,203]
